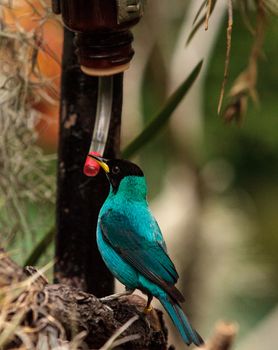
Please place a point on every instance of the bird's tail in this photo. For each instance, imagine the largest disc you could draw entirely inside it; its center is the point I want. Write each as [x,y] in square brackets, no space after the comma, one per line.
[189,335]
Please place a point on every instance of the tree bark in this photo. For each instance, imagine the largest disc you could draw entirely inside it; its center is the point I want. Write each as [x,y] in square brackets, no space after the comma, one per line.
[79,198]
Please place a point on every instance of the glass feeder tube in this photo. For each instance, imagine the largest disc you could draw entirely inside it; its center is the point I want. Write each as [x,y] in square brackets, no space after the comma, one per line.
[102,122]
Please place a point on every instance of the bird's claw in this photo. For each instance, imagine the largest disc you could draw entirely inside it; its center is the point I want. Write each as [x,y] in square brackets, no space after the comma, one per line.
[148,309]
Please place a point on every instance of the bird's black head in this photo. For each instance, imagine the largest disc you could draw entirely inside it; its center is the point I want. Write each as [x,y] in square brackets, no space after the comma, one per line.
[117,169]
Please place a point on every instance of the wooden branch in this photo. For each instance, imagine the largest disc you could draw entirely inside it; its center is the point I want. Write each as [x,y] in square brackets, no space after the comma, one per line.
[222,338]
[37,315]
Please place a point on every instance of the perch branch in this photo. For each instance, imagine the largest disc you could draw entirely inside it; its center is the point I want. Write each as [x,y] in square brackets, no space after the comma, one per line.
[35,314]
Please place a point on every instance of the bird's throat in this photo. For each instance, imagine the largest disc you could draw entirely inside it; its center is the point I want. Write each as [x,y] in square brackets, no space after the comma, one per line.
[130,188]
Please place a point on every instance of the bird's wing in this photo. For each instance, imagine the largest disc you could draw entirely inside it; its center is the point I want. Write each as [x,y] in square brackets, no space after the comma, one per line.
[147,256]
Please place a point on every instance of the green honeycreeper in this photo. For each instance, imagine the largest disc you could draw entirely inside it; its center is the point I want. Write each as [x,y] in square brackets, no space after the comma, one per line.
[132,246]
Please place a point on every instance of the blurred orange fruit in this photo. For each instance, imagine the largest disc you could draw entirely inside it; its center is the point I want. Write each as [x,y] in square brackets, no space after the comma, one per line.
[31,16]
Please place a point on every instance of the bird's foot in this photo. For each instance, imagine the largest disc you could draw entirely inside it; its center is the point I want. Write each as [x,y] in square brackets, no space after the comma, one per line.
[116,295]
[148,309]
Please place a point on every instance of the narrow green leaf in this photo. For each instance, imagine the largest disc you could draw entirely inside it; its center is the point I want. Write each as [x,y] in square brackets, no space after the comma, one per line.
[40,248]
[163,116]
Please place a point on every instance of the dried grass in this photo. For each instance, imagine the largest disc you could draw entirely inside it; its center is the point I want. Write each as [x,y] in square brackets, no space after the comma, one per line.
[245,85]
[26,313]
[24,167]
[24,321]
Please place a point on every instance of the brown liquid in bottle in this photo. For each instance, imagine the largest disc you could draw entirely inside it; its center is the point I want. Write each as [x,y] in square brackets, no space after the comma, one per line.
[103,45]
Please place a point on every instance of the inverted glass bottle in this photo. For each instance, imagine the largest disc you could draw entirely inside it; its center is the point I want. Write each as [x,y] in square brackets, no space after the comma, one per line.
[103,43]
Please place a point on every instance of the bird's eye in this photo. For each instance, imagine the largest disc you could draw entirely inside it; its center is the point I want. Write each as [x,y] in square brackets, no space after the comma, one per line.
[115,170]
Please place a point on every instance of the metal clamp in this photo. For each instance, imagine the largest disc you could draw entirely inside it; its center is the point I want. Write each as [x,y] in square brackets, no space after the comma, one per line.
[129,10]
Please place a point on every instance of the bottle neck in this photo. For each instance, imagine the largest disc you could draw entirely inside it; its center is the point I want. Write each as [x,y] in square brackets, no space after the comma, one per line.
[104,52]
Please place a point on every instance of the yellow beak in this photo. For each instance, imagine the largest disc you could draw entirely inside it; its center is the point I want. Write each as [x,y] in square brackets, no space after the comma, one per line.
[101,162]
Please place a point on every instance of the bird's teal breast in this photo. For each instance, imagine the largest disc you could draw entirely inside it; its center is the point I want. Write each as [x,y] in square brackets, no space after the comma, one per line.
[124,272]
[118,267]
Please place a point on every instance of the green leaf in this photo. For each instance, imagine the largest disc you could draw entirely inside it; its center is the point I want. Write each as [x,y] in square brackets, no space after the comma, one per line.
[163,116]
[40,248]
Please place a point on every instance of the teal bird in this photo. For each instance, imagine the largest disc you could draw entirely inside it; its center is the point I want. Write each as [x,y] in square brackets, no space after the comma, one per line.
[132,245]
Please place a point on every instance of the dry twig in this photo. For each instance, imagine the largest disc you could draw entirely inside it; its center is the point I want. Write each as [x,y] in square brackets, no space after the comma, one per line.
[222,338]
[209,6]
[245,85]
[228,53]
